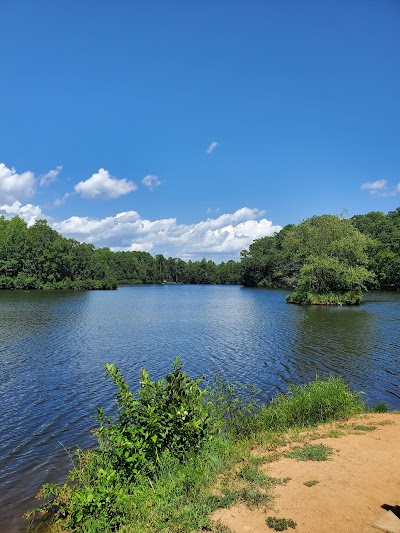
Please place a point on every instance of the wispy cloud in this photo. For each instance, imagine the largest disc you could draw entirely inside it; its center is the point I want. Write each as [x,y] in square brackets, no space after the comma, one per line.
[103,185]
[212,147]
[380,188]
[50,176]
[62,200]
[151,182]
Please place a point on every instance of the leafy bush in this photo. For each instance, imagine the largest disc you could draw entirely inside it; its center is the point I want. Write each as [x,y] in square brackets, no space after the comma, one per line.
[6,282]
[169,419]
[316,402]
[330,298]
[169,416]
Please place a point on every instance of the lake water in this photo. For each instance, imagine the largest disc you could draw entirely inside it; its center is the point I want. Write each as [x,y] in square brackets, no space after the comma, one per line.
[53,347]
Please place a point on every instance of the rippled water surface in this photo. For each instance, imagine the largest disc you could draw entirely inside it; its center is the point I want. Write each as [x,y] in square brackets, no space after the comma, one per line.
[53,346]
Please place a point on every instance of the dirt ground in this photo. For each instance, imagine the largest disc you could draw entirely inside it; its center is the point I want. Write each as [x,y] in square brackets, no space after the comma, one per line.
[363,475]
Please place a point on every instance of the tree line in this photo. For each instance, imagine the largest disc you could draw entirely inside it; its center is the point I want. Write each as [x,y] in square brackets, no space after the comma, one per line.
[322,255]
[37,257]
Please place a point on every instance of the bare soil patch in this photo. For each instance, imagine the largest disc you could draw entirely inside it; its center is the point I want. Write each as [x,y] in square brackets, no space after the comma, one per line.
[362,475]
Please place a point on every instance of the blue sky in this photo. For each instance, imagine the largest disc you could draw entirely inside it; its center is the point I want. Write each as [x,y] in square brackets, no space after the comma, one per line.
[301,101]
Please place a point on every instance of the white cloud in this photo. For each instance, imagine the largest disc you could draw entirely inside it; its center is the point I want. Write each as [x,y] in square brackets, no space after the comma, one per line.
[103,185]
[219,238]
[151,182]
[14,186]
[211,147]
[380,188]
[63,199]
[30,213]
[50,176]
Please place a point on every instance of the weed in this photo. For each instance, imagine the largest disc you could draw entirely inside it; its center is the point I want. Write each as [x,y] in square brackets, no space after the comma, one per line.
[335,433]
[233,408]
[253,497]
[280,524]
[252,475]
[310,483]
[319,452]
[380,407]
[360,427]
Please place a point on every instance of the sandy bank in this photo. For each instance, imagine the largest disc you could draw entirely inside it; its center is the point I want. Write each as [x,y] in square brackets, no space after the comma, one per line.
[363,475]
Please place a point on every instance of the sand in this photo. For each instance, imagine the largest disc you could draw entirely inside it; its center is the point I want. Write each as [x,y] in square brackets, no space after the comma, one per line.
[362,476]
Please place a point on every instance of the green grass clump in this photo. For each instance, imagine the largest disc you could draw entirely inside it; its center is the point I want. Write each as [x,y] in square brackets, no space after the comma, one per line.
[380,407]
[252,496]
[314,403]
[280,524]
[252,474]
[360,427]
[334,433]
[318,452]
[311,483]
[330,298]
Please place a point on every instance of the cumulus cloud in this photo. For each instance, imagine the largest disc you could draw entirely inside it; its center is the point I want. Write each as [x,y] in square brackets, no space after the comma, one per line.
[14,186]
[30,213]
[50,177]
[219,238]
[103,185]
[151,182]
[211,147]
[380,188]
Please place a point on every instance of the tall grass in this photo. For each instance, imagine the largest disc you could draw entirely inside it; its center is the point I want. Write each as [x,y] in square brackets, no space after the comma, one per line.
[314,403]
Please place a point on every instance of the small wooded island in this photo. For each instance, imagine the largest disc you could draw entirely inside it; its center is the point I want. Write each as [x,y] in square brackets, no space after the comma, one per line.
[325,259]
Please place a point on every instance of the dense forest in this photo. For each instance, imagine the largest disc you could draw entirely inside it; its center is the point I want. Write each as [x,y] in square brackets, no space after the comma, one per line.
[37,257]
[323,254]
[328,253]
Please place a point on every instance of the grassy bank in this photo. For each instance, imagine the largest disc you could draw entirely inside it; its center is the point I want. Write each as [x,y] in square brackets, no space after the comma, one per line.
[177,451]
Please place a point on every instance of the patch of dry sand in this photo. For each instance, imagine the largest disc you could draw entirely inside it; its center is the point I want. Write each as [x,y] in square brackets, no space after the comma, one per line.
[363,475]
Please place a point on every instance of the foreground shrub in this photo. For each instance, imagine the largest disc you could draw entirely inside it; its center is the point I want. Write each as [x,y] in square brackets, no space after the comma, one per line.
[314,403]
[158,459]
[169,416]
[167,422]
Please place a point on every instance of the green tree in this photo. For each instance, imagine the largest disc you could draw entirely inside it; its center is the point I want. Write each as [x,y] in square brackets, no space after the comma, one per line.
[330,258]
[384,249]
[12,246]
